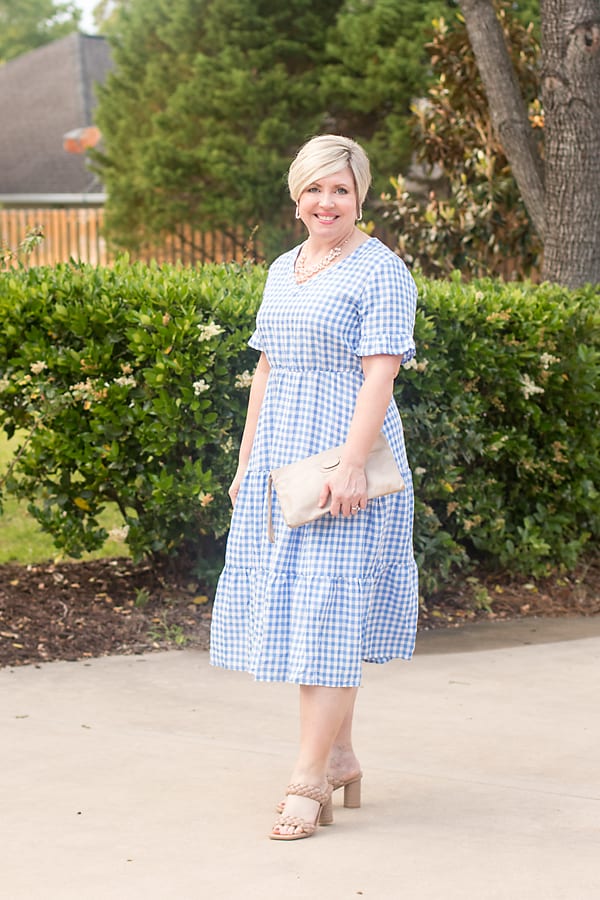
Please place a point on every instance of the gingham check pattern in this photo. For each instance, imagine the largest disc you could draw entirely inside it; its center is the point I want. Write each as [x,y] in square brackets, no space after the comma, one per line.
[324,597]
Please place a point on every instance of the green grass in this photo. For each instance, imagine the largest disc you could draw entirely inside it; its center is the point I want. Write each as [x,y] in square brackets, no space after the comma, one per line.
[21,539]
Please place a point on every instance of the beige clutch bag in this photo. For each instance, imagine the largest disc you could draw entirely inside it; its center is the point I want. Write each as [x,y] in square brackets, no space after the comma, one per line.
[299,484]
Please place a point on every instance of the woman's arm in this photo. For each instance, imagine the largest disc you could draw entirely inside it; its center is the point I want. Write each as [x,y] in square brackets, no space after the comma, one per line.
[348,486]
[257,393]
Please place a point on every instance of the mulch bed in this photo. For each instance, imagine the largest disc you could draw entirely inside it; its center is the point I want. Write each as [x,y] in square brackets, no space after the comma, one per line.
[78,610]
[73,611]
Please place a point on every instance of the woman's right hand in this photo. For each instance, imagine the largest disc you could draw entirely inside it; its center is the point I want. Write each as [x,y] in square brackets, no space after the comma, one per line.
[234,487]
[348,490]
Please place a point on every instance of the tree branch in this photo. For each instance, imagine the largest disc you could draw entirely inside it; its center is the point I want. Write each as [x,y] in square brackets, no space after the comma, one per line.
[507,107]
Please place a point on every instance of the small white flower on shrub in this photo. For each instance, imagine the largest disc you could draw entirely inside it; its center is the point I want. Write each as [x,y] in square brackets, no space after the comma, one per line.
[547,360]
[4,384]
[209,331]
[529,387]
[200,386]
[126,381]
[38,366]
[82,388]
[417,366]
[244,380]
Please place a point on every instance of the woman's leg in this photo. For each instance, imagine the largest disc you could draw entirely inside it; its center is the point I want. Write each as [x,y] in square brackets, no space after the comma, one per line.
[323,712]
[343,763]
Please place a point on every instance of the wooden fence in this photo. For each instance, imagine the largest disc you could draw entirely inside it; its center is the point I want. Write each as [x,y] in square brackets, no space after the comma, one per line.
[77,233]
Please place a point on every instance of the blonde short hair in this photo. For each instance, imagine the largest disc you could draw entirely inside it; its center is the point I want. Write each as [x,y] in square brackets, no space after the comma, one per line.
[325,155]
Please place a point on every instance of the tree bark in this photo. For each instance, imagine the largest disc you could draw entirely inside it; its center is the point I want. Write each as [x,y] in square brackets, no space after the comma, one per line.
[508,112]
[571,100]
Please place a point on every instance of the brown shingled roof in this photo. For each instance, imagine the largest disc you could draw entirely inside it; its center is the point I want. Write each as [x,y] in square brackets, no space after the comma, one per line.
[44,94]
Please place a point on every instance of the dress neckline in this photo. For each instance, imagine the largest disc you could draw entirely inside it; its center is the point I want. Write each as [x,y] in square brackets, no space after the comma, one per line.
[297,250]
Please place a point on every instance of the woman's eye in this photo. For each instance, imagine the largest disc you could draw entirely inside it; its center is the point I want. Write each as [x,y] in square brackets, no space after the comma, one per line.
[342,190]
[312,190]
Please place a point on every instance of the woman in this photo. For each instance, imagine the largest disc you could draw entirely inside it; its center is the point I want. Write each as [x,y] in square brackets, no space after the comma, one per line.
[334,327]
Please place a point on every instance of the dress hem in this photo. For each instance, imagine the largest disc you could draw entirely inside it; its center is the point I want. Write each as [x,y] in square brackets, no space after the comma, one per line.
[311,682]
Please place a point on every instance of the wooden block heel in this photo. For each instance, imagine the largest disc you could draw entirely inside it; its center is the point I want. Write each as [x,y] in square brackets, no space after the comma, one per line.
[352,793]
[326,817]
[351,789]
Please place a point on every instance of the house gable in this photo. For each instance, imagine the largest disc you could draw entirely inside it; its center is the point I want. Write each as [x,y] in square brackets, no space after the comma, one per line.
[44,94]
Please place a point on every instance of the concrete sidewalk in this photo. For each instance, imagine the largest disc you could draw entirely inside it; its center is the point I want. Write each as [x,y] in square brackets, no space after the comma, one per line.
[155,777]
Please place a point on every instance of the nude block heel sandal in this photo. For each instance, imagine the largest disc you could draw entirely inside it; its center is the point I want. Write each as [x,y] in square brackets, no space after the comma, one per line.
[303,828]
[352,790]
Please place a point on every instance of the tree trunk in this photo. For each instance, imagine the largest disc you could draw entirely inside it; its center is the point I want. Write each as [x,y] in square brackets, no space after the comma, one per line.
[571,100]
[507,107]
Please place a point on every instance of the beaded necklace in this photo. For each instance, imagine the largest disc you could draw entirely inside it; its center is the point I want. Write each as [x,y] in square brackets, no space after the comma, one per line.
[304,272]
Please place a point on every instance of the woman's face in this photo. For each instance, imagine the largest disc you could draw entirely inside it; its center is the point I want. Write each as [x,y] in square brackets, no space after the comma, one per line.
[328,205]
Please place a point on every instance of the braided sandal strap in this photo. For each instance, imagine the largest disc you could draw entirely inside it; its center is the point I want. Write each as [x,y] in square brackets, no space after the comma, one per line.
[337,783]
[311,791]
[297,822]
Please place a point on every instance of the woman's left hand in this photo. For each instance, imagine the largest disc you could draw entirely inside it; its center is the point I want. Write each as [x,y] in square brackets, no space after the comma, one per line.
[348,490]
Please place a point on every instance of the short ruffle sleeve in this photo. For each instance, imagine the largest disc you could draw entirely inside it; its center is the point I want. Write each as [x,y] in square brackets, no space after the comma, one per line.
[255,340]
[387,309]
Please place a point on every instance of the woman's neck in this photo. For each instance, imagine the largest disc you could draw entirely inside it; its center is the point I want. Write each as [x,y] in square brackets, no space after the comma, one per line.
[316,246]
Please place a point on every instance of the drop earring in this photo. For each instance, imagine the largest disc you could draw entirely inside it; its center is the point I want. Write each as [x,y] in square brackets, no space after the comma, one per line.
[297,211]
[359,219]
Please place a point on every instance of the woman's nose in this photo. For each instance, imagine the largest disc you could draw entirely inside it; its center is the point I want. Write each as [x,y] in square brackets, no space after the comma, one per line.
[327,199]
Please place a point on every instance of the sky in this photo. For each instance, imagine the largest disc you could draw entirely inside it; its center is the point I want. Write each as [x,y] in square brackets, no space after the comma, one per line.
[87,21]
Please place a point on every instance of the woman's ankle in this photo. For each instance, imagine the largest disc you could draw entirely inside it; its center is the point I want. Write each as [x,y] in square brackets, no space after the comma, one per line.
[343,762]
[309,775]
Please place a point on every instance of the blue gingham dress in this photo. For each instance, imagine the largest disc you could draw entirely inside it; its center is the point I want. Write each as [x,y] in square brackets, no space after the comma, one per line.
[324,597]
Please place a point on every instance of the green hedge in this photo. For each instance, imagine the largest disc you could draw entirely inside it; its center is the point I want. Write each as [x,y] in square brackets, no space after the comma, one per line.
[129,385]
[502,425]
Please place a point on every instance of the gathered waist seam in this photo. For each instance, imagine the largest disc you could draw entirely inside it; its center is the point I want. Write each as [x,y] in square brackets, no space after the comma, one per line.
[310,370]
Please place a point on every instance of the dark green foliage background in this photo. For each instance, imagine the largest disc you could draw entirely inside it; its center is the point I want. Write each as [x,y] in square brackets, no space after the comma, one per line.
[475,220]
[97,374]
[210,100]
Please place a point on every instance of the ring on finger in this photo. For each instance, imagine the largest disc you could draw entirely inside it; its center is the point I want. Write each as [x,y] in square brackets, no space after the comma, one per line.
[354,509]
